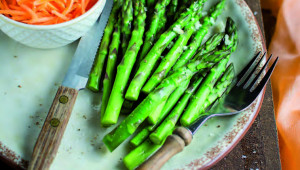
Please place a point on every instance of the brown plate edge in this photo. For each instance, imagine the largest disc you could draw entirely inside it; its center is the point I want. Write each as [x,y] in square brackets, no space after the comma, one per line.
[11,158]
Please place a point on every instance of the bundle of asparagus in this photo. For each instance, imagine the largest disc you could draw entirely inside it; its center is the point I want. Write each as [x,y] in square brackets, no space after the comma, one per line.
[178,88]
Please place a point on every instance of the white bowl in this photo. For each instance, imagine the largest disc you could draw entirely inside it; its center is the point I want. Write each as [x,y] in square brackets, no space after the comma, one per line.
[51,36]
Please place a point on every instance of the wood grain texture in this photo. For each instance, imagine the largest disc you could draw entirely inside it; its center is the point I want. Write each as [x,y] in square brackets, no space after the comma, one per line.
[259,148]
[174,144]
[53,129]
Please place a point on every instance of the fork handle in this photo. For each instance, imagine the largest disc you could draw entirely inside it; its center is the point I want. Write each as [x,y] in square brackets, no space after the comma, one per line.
[174,144]
[53,129]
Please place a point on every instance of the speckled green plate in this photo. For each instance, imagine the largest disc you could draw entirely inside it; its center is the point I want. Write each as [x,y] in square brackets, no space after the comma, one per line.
[30,78]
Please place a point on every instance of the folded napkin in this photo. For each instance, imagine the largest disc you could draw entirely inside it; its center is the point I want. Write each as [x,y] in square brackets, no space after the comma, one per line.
[286,78]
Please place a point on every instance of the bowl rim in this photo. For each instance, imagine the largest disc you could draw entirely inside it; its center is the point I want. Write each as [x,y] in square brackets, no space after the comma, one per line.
[55,26]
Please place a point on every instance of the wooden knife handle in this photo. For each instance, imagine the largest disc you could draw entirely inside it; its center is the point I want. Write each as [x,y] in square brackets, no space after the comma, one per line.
[173,145]
[53,129]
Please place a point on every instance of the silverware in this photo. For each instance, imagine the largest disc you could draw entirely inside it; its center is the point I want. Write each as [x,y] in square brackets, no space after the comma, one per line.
[239,98]
[76,79]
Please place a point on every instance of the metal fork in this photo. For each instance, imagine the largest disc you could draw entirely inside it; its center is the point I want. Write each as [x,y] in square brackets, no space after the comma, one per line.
[242,94]
[239,98]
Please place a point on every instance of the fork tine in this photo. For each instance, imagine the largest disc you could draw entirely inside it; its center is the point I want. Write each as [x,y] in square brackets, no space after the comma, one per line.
[260,72]
[264,81]
[242,74]
[244,84]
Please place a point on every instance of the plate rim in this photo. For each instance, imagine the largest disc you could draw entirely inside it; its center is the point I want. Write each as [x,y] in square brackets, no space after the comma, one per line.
[16,162]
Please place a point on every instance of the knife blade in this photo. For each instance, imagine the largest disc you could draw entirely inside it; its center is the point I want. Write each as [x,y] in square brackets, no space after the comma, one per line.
[78,73]
[76,79]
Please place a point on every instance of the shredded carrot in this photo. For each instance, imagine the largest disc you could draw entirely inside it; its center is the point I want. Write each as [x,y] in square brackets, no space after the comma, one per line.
[16,8]
[82,6]
[44,12]
[60,15]
[10,12]
[30,11]
[5,4]
[20,18]
[69,7]
[51,6]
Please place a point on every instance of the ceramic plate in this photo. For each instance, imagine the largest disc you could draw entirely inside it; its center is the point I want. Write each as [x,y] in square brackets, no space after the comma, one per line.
[30,78]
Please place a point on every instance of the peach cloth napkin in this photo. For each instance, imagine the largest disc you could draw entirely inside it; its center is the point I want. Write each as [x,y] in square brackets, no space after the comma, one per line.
[286,78]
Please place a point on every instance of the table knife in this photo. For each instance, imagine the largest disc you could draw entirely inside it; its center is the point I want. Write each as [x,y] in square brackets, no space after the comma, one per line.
[76,79]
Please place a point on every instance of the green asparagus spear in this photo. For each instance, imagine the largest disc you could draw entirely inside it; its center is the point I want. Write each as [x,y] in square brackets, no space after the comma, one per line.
[192,111]
[96,72]
[151,58]
[231,37]
[157,112]
[172,100]
[230,43]
[146,149]
[211,58]
[150,35]
[129,125]
[141,153]
[171,57]
[127,16]
[124,69]
[160,30]
[140,137]
[177,49]
[183,6]
[139,114]
[167,126]
[143,135]
[149,11]
[212,43]
[174,97]
[172,8]
[219,89]
[111,66]
[209,45]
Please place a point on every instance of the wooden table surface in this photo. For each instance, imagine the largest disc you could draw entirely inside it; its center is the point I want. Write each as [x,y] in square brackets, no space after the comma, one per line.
[259,148]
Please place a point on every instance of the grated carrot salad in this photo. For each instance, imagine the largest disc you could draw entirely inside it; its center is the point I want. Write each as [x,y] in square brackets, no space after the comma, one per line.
[44,12]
